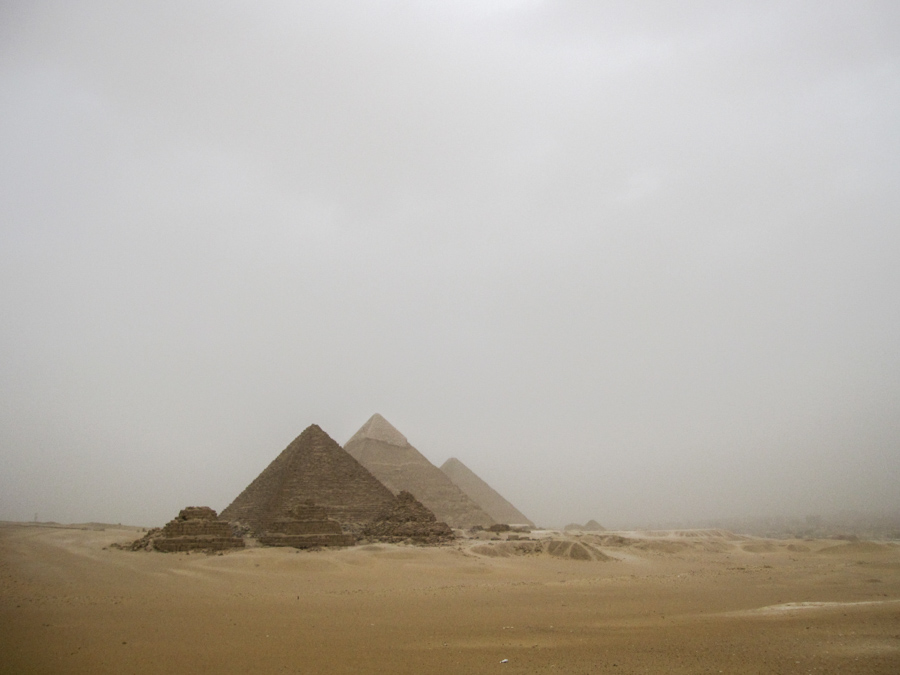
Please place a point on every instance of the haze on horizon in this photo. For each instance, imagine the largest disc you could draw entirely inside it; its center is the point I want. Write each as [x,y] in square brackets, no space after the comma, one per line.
[629,261]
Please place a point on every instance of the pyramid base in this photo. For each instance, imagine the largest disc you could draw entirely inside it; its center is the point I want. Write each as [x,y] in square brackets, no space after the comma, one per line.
[198,543]
[306,540]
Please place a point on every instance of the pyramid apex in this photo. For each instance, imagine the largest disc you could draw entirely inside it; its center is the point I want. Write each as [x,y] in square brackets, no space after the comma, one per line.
[379,429]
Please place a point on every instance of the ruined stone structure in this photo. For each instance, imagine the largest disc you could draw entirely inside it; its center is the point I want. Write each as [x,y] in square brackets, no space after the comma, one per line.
[195,528]
[395,462]
[306,526]
[313,467]
[483,494]
[408,520]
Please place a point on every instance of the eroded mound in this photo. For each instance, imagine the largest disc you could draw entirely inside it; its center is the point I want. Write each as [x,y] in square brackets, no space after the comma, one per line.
[610,540]
[557,548]
[662,546]
[857,547]
[575,550]
[508,549]
[665,543]
[760,547]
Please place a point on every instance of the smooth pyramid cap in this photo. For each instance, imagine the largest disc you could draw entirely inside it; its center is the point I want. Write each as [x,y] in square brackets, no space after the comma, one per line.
[379,429]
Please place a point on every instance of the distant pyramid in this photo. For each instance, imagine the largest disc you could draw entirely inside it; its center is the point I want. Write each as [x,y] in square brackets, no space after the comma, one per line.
[312,468]
[389,456]
[483,494]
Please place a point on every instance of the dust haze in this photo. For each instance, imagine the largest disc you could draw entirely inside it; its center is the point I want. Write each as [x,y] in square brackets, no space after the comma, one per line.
[627,261]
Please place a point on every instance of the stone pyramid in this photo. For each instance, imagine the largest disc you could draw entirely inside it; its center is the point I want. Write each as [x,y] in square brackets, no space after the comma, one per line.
[313,468]
[409,520]
[483,494]
[307,526]
[196,528]
[389,456]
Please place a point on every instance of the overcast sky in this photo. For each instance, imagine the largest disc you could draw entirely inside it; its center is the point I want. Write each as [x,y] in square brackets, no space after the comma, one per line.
[630,261]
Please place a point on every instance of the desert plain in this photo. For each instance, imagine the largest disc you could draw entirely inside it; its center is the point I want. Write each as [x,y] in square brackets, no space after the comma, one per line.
[646,602]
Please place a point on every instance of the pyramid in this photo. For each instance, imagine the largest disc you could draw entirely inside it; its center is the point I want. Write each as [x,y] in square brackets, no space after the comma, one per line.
[313,468]
[483,494]
[409,520]
[395,462]
[196,528]
[307,526]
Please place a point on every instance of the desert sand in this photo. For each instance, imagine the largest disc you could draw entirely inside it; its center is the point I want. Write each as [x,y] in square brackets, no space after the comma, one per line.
[677,602]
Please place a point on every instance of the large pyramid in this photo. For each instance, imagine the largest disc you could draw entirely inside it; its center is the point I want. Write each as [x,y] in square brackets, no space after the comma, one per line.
[389,456]
[313,469]
[483,494]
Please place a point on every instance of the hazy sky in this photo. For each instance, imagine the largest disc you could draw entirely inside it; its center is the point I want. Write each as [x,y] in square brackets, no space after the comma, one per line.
[631,261]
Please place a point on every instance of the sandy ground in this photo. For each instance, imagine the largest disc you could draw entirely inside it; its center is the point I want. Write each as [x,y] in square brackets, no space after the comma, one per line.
[704,603]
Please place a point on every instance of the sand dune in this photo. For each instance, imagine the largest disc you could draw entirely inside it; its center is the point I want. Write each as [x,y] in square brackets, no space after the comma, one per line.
[688,602]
